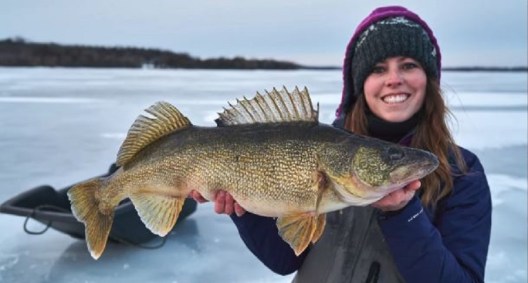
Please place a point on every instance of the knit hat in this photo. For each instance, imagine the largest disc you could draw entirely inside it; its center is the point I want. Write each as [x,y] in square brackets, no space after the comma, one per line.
[386,32]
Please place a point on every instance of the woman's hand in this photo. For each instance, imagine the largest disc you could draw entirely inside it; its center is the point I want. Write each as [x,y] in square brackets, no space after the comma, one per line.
[224,202]
[399,198]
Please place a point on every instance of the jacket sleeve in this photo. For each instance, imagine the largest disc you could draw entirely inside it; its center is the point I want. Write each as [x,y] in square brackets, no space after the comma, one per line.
[454,247]
[260,234]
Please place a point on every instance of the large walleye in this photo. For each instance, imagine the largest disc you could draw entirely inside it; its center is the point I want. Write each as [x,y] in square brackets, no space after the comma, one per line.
[270,153]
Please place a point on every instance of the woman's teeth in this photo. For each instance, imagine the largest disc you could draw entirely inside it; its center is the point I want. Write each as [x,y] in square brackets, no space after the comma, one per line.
[395,98]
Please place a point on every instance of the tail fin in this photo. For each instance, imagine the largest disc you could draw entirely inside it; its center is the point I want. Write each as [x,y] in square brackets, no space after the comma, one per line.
[85,207]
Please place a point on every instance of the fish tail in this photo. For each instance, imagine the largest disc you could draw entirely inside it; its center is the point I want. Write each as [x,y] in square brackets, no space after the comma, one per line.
[158,209]
[87,209]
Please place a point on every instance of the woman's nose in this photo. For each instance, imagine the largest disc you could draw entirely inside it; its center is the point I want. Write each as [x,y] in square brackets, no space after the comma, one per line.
[394,78]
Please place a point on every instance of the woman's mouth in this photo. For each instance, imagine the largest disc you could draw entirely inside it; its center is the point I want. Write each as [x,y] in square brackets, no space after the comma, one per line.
[395,98]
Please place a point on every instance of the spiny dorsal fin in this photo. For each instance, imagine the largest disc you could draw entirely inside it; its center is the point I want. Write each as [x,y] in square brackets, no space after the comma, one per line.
[273,107]
[145,130]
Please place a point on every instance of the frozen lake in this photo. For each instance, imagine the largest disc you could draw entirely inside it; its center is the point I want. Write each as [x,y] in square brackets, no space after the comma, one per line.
[59,126]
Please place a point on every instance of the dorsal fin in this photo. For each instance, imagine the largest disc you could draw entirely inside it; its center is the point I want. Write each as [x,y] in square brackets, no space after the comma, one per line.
[273,107]
[145,130]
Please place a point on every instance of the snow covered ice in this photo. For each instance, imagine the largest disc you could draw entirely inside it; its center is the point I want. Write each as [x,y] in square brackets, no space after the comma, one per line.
[60,126]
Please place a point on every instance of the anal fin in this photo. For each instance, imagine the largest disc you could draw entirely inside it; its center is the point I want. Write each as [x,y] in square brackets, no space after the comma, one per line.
[299,230]
[158,211]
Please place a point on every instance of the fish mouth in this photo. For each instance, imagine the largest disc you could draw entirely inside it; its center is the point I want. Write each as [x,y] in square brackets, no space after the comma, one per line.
[403,175]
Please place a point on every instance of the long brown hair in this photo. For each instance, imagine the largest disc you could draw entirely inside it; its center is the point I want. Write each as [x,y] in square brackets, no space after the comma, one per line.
[432,134]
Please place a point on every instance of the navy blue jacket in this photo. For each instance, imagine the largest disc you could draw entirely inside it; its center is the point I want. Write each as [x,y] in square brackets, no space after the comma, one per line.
[449,244]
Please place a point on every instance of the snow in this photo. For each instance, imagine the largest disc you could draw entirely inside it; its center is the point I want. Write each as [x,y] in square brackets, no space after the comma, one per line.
[60,126]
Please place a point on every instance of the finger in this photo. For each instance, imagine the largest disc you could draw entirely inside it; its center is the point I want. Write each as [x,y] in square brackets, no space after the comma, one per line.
[200,198]
[220,202]
[383,203]
[239,211]
[197,197]
[414,185]
[395,197]
[403,196]
[229,204]
[410,195]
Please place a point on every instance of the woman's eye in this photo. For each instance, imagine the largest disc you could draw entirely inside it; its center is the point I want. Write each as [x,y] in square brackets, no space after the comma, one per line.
[378,70]
[410,65]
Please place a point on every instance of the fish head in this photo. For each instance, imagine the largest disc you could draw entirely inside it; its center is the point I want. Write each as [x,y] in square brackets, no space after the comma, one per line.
[376,168]
[390,167]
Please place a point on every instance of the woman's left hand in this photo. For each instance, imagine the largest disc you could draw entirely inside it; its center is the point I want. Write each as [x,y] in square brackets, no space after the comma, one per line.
[399,198]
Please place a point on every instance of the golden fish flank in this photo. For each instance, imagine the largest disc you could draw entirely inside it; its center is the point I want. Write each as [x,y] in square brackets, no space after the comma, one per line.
[270,152]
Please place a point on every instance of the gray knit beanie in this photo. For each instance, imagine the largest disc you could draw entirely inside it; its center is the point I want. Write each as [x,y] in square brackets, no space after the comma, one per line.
[390,37]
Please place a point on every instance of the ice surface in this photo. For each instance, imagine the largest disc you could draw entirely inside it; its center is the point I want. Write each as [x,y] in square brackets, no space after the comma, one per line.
[60,126]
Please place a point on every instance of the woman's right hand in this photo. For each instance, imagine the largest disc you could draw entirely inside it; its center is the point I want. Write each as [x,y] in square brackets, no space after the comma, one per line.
[224,202]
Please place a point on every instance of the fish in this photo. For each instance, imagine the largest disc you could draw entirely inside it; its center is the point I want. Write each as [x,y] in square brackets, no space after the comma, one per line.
[270,152]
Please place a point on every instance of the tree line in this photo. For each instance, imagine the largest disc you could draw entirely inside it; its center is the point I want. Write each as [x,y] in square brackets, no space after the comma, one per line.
[19,52]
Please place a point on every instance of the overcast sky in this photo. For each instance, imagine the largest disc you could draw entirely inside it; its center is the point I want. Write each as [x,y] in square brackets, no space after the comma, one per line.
[470,32]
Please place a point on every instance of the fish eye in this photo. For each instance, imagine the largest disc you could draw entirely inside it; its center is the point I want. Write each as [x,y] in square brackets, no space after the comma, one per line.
[395,153]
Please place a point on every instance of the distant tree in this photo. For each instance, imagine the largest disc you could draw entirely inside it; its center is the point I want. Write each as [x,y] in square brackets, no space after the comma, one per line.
[18,52]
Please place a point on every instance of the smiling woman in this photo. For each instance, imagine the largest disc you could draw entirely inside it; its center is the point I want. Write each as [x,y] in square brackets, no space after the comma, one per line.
[436,229]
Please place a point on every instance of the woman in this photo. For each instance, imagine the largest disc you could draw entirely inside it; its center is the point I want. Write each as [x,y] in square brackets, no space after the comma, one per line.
[433,230]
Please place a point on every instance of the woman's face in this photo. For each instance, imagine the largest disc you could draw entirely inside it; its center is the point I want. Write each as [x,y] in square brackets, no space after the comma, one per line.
[395,90]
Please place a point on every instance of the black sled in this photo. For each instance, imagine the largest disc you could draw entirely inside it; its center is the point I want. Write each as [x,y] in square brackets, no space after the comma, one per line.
[52,208]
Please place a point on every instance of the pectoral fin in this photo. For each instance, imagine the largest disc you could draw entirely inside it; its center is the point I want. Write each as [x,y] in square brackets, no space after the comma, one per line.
[298,230]
[158,212]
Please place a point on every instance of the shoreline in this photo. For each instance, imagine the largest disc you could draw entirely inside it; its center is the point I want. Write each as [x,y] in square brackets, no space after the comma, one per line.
[302,68]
